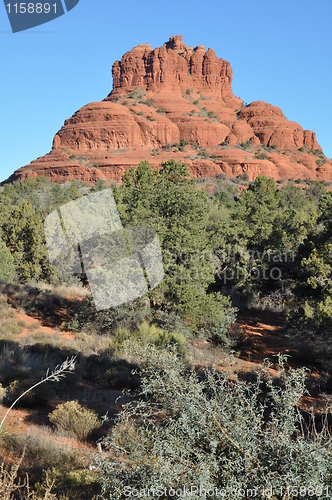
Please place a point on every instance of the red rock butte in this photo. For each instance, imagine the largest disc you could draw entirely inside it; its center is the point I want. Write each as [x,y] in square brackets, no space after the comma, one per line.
[177,102]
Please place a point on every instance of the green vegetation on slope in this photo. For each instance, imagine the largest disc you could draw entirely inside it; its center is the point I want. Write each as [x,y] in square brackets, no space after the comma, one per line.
[225,243]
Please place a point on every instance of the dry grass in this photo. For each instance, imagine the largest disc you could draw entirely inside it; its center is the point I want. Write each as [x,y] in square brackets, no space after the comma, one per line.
[53,305]
[89,344]
[10,326]
[66,291]
[52,455]
[13,487]
[205,353]
[29,299]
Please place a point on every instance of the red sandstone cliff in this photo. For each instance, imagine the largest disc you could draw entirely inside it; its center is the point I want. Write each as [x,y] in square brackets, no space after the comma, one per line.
[177,102]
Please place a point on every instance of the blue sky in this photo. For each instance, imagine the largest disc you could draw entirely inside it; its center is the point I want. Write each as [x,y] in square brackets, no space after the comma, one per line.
[280,52]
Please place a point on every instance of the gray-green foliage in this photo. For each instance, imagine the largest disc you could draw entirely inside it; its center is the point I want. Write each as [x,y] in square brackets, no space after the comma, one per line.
[213,432]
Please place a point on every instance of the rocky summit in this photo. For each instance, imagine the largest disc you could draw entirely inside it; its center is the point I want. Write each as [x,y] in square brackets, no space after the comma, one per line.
[177,102]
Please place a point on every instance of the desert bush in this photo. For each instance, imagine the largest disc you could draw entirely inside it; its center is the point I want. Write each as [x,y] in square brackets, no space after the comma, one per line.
[76,481]
[13,487]
[149,102]
[262,156]
[246,145]
[79,484]
[5,310]
[15,327]
[3,393]
[129,315]
[121,374]
[214,432]
[7,267]
[54,456]
[151,334]
[18,363]
[55,375]
[32,399]
[169,321]
[74,418]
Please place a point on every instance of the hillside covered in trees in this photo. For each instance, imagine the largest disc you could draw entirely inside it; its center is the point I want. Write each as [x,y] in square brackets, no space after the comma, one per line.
[229,246]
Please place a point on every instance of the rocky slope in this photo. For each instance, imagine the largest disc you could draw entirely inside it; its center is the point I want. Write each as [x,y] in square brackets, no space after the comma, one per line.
[177,102]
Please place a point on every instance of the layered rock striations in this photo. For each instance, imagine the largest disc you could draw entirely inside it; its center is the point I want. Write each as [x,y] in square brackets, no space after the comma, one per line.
[173,66]
[177,102]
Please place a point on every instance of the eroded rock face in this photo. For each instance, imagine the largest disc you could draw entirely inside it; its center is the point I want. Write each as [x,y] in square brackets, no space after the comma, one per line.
[177,102]
[173,65]
[273,129]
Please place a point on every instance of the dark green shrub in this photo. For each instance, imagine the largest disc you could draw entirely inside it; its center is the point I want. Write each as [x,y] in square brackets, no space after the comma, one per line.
[39,396]
[121,374]
[262,156]
[169,321]
[7,267]
[246,145]
[129,315]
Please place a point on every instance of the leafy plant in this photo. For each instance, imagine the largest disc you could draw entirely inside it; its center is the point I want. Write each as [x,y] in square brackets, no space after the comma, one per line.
[56,375]
[168,201]
[7,267]
[151,334]
[74,418]
[149,102]
[13,487]
[3,393]
[213,432]
[23,234]
[246,145]
[262,156]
